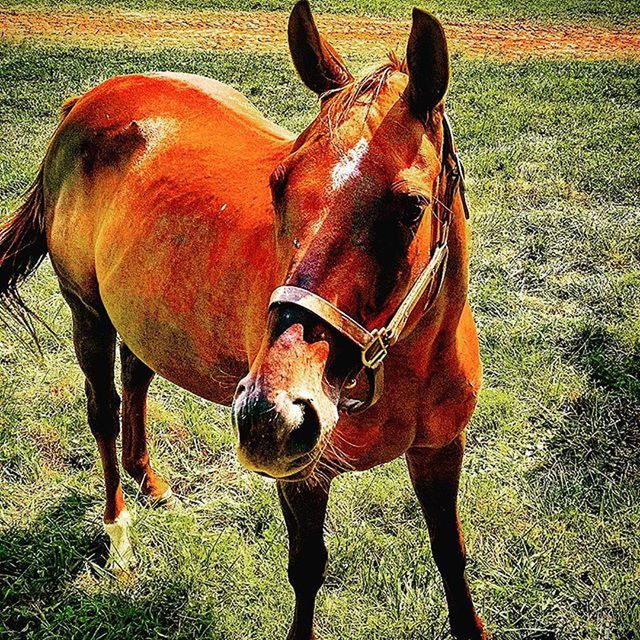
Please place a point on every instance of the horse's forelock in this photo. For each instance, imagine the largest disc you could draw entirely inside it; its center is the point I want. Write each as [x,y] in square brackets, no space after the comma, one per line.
[344,98]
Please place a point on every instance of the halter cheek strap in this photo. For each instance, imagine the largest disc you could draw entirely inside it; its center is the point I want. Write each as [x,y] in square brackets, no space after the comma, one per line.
[375,344]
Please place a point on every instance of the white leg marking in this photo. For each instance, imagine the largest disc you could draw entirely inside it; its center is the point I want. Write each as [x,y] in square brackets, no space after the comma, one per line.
[121,556]
[168,500]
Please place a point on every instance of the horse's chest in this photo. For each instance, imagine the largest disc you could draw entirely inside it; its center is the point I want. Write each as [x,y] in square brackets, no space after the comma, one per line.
[362,446]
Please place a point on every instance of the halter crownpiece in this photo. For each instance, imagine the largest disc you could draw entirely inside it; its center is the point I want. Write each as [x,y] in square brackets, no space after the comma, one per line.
[374,344]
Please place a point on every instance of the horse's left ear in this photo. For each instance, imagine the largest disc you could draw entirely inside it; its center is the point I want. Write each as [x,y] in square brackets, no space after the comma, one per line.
[428,64]
[317,62]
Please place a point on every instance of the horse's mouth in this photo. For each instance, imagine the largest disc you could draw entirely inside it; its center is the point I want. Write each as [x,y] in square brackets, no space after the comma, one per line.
[301,473]
[296,476]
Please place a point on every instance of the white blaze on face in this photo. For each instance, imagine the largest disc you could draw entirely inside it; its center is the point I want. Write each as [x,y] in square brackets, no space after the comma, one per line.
[349,164]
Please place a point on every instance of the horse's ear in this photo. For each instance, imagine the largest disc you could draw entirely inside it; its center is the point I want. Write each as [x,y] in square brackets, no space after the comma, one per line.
[428,64]
[317,62]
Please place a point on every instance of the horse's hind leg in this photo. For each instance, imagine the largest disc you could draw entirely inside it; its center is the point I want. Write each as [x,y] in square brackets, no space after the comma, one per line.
[435,475]
[136,378]
[94,339]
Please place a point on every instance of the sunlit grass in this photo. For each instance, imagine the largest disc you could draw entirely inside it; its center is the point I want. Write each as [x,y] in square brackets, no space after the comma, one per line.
[609,12]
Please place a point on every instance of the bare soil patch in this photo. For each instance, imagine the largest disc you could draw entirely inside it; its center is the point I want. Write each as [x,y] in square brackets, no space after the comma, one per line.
[266,31]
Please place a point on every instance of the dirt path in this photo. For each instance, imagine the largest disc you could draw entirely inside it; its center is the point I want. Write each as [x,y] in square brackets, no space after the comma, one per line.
[262,31]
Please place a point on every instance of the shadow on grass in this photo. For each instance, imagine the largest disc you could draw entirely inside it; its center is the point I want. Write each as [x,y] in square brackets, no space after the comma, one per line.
[47,588]
[38,561]
[602,425]
[595,443]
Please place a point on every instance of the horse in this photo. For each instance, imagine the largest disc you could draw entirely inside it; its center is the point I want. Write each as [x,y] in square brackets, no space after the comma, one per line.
[280,274]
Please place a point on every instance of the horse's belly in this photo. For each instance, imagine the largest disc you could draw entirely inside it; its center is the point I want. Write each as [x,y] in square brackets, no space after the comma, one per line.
[161,210]
[179,290]
[172,323]
[197,359]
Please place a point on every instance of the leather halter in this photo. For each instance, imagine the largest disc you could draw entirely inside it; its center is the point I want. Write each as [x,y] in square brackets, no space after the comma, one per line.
[374,344]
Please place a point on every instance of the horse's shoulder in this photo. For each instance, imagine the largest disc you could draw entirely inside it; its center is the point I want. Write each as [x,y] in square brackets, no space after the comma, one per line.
[449,392]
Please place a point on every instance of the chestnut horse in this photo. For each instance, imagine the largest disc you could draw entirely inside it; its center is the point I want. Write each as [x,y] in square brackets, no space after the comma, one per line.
[172,210]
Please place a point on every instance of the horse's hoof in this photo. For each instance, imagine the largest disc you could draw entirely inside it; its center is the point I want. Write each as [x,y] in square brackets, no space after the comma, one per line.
[168,500]
[122,560]
[121,568]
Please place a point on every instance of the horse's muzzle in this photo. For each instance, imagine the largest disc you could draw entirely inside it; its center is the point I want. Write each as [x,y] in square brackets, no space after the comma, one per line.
[281,411]
[278,435]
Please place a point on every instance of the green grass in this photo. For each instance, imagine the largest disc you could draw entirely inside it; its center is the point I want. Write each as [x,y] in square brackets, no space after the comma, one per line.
[609,11]
[550,490]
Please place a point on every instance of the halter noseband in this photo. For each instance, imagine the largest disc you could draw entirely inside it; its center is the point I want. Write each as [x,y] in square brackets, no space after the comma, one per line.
[375,344]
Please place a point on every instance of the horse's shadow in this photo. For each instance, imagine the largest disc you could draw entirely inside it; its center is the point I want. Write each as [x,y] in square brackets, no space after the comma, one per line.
[595,441]
[39,560]
[52,581]
[51,569]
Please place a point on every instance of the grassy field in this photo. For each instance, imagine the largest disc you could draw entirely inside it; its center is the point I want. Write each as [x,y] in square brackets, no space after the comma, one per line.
[550,491]
[608,11]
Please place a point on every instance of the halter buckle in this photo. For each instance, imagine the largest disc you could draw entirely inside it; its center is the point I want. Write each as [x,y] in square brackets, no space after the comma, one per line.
[376,349]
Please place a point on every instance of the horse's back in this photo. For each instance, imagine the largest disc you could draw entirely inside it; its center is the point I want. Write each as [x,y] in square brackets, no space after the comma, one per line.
[113,135]
[146,187]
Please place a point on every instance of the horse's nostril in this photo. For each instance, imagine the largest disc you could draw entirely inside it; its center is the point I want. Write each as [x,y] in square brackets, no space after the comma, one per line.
[241,419]
[242,425]
[305,436]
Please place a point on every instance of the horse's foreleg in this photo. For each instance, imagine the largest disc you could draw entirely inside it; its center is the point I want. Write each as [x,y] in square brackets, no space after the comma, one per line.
[136,378]
[304,508]
[94,339]
[435,475]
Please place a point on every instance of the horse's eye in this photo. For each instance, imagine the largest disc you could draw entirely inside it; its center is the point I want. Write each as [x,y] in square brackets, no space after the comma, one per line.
[413,209]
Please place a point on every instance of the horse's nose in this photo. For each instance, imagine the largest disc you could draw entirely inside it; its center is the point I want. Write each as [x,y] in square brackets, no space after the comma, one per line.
[275,434]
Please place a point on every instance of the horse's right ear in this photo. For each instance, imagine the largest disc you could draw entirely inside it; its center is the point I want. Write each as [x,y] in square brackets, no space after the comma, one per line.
[317,62]
[428,64]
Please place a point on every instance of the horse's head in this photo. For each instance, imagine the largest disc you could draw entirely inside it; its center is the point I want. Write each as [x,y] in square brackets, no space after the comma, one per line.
[352,225]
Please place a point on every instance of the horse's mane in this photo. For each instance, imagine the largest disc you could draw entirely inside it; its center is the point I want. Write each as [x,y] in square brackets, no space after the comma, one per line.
[369,87]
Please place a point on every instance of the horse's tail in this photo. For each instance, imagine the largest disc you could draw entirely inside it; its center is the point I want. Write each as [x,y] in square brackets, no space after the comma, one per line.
[23,244]
[22,248]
